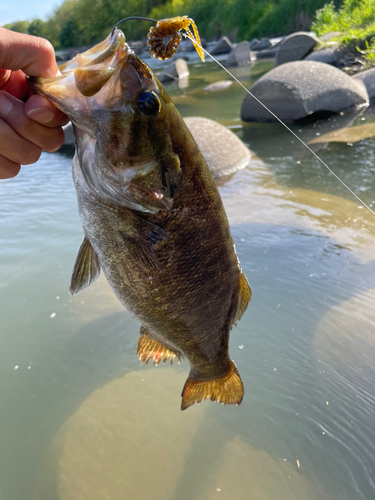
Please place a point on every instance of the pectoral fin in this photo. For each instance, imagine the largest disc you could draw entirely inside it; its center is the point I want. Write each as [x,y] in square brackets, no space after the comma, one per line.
[227,390]
[86,268]
[142,243]
[243,298]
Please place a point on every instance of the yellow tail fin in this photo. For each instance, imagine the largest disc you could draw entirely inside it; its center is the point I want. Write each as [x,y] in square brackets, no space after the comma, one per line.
[227,390]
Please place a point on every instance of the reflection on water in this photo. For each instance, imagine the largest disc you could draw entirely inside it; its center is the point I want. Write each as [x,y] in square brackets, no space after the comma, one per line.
[80,417]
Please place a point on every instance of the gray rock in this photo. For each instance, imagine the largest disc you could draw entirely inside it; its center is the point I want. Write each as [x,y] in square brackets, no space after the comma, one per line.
[297,89]
[263,54]
[254,42]
[223,151]
[178,69]
[240,55]
[265,43]
[223,46]
[220,85]
[329,36]
[367,78]
[328,55]
[295,47]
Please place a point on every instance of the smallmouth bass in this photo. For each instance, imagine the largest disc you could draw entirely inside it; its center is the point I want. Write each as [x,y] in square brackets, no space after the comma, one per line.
[152,216]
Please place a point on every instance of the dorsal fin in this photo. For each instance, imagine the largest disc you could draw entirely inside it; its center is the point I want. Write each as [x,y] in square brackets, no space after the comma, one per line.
[243,297]
[86,268]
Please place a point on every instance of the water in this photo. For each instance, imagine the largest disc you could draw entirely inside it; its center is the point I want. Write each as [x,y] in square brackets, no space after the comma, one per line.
[81,418]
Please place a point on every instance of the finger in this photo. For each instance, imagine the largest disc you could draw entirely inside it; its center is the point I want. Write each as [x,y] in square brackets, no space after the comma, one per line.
[8,168]
[40,109]
[12,113]
[34,55]
[16,85]
[16,148]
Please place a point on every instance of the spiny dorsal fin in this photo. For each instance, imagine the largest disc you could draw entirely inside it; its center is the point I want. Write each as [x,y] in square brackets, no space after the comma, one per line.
[227,389]
[243,298]
[86,268]
[149,348]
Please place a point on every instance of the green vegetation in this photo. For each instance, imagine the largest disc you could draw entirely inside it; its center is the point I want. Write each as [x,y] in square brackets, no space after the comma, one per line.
[354,23]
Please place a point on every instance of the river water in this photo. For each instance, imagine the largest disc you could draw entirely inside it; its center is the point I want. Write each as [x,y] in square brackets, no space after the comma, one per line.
[81,418]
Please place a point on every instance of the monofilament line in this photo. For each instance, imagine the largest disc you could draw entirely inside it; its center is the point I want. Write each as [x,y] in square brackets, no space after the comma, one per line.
[283,124]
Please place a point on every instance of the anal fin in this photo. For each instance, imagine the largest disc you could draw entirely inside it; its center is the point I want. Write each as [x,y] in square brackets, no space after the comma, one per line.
[227,389]
[148,349]
[243,298]
[86,268]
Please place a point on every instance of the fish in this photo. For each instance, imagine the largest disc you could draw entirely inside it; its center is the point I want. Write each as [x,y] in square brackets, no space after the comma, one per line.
[152,216]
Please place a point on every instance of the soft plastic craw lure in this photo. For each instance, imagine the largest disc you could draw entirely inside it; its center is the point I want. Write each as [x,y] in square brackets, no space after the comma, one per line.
[171,28]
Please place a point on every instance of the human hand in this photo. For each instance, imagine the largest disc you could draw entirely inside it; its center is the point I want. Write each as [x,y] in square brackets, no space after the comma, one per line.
[28,123]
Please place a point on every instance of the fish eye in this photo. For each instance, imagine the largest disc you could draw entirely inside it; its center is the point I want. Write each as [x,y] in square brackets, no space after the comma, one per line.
[148,102]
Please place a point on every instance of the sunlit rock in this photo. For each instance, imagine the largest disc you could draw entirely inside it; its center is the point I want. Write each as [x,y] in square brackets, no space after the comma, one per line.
[345,338]
[368,79]
[223,46]
[178,69]
[223,151]
[240,55]
[350,134]
[298,89]
[295,47]
[128,440]
[242,472]
[259,199]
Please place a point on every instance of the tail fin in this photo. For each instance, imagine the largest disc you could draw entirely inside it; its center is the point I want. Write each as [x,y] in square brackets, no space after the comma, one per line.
[227,390]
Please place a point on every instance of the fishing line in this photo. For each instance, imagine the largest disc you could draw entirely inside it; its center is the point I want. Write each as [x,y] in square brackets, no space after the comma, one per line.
[284,125]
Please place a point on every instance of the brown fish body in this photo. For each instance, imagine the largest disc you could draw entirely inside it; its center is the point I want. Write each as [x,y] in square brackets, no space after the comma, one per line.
[167,251]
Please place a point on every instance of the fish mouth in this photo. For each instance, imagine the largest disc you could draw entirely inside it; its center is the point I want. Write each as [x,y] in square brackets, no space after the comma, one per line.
[151,199]
[85,76]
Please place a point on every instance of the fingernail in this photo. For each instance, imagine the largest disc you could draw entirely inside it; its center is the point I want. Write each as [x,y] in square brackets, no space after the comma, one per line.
[41,115]
[5,105]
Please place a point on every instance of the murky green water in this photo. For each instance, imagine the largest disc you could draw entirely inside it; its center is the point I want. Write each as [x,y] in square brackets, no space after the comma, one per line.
[81,418]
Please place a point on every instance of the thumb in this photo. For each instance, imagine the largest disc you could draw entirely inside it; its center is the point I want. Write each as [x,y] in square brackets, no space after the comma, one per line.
[33,55]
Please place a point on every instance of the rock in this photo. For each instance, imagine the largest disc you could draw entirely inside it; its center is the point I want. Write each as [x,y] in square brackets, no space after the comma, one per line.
[295,47]
[254,42]
[178,69]
[349,134]
[243,472]
[344,340]
[328,55]
[220,85]
[223,46]
[240,55]
[128,440]
[263,54]
[223,151]
[298,89]
[329,36]
[368,79]
[265,43]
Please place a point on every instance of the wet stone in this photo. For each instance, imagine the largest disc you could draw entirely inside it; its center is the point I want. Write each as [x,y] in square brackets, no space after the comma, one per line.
[223,46]
[297,89]
[240,55]
[295,47]
[223,151]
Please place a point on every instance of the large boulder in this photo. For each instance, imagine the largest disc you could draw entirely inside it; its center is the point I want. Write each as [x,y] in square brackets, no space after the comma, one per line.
[298,89]
[240,55]
[223,46]
[295,47]
[223,151]
[367,78]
